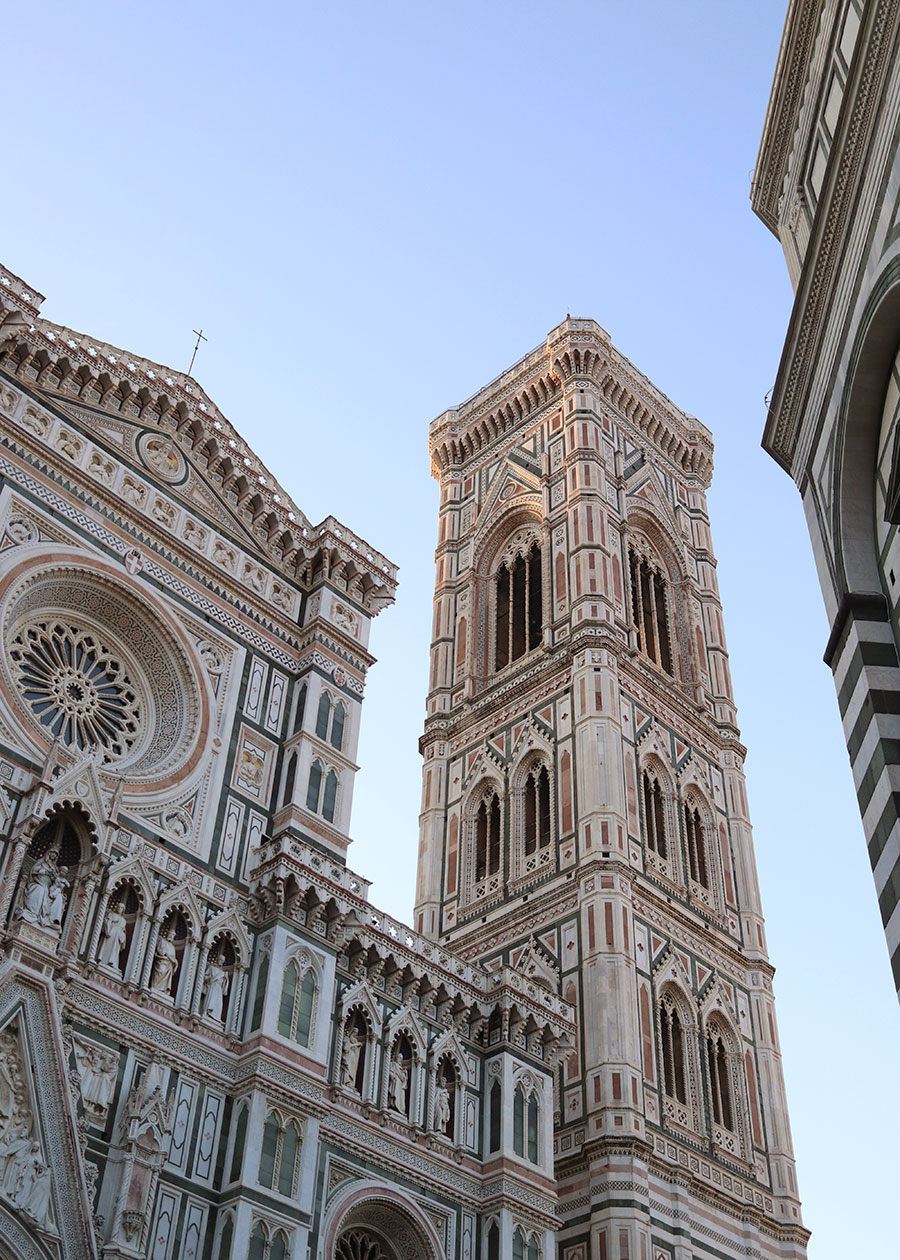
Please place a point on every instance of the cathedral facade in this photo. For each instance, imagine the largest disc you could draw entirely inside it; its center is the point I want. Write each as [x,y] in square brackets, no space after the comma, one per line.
[212,1045]
[827,183]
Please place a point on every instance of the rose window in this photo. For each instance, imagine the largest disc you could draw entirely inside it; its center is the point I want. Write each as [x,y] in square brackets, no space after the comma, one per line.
[358,1244]
[77,687]
[94,666]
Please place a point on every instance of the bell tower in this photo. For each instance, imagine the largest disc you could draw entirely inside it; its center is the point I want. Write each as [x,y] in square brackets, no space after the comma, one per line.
[584,814]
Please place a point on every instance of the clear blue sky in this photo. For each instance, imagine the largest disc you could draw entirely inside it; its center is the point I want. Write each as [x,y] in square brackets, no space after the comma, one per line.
[372,209]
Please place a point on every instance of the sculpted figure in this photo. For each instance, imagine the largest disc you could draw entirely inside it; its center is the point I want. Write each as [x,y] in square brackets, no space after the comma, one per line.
[350,1056]
[56,902]
[214,989]
[112,940]
[14,1151]
[27,1168]
[36,1202]
[97,1070]
[164,963]
[441,1108]
[36,901]
[397,1082]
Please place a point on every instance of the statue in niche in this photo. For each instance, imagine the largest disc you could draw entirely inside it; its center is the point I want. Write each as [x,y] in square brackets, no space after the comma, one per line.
[112,940]
[14,1151]
[44,900]
[164,963]
[350,1052]
[97,1071]
[398,1079]
[441,1108]
[214,988]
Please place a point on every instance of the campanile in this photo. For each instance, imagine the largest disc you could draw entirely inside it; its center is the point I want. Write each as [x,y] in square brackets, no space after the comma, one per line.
[584,814]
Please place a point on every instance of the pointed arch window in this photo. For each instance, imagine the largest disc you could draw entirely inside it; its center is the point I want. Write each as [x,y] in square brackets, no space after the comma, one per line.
[654,815]
[650,610]
[237,1151]
[226,1238]
[695,838]
[487,838]
[537,810]
[337,726]
[673,1050]
[296,1005]
[493,1241]
[526,1114]
[301,709]
[290,776]
[719,1079]
[330,797]
[322,715]
[518,606]
[278,1155]
[495,1108]
[314,786]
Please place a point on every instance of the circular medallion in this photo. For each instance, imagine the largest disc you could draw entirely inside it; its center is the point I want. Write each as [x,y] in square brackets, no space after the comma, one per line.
[162,457]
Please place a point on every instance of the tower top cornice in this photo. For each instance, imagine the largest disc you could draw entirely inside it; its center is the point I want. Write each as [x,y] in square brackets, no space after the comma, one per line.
[578,352]
[52,354]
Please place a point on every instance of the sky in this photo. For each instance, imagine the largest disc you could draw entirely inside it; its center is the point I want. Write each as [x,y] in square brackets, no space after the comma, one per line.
[372,210]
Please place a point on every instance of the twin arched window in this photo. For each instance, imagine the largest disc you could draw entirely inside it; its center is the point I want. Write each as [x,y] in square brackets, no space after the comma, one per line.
[518,606]
[295,1010]
[695,838]
[317,800]
[278,1155]
[654,815]
[649,607]
[524,1248]
[525,1124]
[537,810]
[330,721]
[487,838]
[675,1055]
[719,1078]
[265,1245]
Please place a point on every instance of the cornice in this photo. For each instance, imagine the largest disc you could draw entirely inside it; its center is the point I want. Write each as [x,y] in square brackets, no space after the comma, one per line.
[56,360]
[576,353]
[791,71]
[831,227]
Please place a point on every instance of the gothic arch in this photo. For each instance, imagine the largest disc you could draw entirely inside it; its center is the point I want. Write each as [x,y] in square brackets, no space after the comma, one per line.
[852,509]
[678,1071]
[483,824]
[659,815]
[651,539]
[701,853]
[513,533]
[388,1215]
[533,807]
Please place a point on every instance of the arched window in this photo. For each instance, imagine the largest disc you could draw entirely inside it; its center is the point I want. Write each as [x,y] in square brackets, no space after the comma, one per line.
[322,715]
[487,837]
[226,1238]
[290,776]
[525,1124]
[278,1249]
[330,797]
[673,1050]
[296,1006]
[237,1150]
[278,1154]
[518,1250]
[518,606]
[537,810]
[314,787]
[695,839]
[258,1243]
[493,1241]
[301,709]
[337,727]
[495,1108]
[719,1079]
[259,1000]
[649,605]
[654,815]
